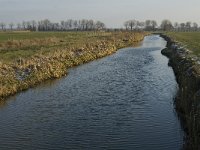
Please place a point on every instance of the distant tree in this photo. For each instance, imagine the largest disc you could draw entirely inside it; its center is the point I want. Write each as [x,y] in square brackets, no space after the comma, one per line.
[188,26]
[195,26]
[54,27]
[28,25]
[131,24]
[33,25]
[19,26]
[91,24]
[46,24]
[75,24]
[126,24]
[79,24]
[83,24]
[24,25]
[182,26]
[11,25]
[153,24]
[176,26]
[3,25]
[62,23]
[141,25]
[100,25]
[166,25]
[148,25]
[69,24]
[86,25]
[137,25]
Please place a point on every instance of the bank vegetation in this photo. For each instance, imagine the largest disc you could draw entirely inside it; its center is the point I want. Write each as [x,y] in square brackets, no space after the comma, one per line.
[29,58]
[183,50]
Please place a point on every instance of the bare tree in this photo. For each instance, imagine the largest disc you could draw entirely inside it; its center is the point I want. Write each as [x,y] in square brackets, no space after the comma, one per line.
[153,24]
[100,25]
[28,25]
[75,24]
[188,25]
[83,22]
[195,26]
[46,24]
[24,25]
[34,25]
[62,23]
[11,26]
[126,24]
[71,23]
[87,25]
[176,26]
[19,26]
[182,26]
[137,25]
[166,25]
[132,23]
[91,24]
[141,25]
[148,25]
[3,25]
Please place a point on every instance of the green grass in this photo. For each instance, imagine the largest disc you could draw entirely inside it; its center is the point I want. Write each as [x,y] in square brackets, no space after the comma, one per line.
[42,42]
[189,39]
[4,36]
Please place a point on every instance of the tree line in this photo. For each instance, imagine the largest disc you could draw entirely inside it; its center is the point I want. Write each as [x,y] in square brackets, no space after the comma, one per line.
[47,25]
[166,25]
[89,25]
[148,25]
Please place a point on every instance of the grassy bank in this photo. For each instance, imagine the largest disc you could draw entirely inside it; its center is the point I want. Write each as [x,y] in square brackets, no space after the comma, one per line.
[190,40]
[28,58]
[186,65]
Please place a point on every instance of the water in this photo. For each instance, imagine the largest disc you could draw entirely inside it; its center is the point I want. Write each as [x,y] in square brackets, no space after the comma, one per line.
[123,101]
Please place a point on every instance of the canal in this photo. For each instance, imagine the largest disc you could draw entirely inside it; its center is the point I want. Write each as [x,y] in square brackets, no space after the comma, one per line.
[123,101]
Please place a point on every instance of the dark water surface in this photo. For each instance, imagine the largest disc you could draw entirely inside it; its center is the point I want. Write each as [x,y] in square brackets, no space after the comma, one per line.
[123,101]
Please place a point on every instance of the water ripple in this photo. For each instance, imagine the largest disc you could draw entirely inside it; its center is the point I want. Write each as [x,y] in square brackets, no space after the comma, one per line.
[123,101]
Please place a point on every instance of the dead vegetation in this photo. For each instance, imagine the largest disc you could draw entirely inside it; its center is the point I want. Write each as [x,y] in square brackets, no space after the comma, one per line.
[53,57]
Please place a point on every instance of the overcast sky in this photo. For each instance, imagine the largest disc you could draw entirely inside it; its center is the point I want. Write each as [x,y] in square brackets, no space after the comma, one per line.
[112,12]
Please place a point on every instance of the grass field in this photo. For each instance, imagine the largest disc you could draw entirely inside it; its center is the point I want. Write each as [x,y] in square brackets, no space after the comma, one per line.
[28,58]
[4,36]
[189,39]
[25,44]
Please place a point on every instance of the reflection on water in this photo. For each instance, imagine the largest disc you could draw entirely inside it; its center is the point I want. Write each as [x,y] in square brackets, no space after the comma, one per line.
[124,101]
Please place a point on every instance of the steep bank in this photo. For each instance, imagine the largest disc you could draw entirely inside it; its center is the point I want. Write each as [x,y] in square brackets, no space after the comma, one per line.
[24,73]
[187,70]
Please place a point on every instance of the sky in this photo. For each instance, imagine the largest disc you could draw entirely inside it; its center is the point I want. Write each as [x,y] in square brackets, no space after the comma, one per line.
[112,12]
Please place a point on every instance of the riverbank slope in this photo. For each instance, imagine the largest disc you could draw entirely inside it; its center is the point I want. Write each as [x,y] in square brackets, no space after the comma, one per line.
[186,67]
[27,59]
